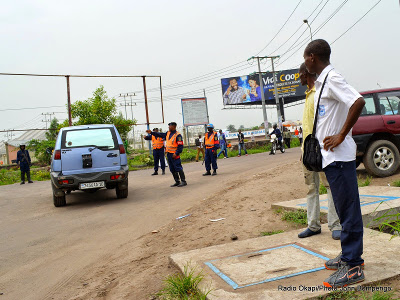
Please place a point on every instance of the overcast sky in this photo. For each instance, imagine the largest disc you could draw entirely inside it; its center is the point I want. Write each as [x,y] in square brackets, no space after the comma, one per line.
[179,40]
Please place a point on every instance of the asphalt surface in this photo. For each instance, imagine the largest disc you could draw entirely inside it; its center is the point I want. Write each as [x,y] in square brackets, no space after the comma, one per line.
[43,247]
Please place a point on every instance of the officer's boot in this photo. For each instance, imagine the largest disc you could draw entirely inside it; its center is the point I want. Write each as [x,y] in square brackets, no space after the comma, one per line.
[155,173]
[176,177]
[214,173]
[207,173]
[28,175]
[183,179]
[163,172]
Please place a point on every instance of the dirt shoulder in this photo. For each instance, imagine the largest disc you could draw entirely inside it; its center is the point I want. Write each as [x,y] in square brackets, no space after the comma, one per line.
[137,268]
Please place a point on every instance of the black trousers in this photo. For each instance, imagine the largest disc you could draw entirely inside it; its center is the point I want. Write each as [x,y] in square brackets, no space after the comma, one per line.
[28,175]
[287,142]
[342,178]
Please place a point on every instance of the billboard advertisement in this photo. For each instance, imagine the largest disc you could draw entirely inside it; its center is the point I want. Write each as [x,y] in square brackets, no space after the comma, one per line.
[194,111]
[247,90]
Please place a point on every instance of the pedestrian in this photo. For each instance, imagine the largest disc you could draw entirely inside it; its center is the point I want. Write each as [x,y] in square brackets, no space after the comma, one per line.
[24,163]
[340,105]
[158,152]
[253,138]
[296,132]
[212,144]
[287,137]
[200,147]
[313,179]
[242,146]
[222,144]
[174,147]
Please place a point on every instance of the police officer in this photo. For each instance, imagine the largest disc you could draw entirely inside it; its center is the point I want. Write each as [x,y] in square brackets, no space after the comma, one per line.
[278,134]
[158,152]
[24,163]
[174,147]
[212,144]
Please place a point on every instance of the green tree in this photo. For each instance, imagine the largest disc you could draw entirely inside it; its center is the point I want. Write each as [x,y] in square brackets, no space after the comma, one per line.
[99,109]
[255,128]
[40,149]
[241,127]
[51,135]
[231,128]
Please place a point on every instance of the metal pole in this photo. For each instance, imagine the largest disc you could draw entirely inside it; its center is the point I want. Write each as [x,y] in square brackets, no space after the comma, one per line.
[126,115]
[69,102]
[187,136]
[133,126]
[264,108]
[208,117]
[276,95]
[147,109]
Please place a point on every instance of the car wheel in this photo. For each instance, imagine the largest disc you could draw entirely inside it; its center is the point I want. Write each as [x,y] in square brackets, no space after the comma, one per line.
[59,200]
[382,158]
[121,193]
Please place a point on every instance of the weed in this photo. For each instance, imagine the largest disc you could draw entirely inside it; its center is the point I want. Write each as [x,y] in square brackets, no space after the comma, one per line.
[184,286]
[267,233]
[365,182]
[396,183]
[322,189]
[299,216]
[14,176]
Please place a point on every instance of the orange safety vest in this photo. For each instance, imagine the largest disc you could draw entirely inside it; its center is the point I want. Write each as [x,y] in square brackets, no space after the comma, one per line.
[210,140]
[172,144]
[158,142]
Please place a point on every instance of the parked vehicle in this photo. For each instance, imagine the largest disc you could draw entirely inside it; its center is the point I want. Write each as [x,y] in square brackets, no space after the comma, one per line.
[377,132]
[88,158]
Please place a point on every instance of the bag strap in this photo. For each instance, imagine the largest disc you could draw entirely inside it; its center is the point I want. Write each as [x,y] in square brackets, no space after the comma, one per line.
[319,99]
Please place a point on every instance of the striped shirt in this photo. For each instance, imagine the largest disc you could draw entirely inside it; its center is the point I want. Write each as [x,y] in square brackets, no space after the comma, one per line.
[234,97]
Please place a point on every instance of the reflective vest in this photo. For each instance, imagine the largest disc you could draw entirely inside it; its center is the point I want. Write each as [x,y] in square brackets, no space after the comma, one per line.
[158,142]
[172,144]
[210,140]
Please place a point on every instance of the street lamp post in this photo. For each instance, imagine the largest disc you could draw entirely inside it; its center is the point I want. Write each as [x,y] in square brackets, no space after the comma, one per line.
[306,21]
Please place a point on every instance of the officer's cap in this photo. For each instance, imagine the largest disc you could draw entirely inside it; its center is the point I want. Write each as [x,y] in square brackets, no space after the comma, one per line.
[172,123]
[210,125]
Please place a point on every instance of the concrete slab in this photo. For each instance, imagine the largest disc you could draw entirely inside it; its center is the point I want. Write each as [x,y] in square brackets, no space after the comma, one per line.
[376,201]
[283,266]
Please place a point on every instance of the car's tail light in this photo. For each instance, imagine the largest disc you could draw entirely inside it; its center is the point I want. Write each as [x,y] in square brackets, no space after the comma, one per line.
[66,181]
[121,149]
[57,154]
[115,177]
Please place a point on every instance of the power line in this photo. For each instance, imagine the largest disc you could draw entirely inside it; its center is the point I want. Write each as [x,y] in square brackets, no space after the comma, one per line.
[356,22]
[25,108]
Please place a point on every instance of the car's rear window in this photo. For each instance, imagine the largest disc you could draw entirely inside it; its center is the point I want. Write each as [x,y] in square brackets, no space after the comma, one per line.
[102,138]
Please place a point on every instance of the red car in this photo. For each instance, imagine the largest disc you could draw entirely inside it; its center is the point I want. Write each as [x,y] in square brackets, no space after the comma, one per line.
[377,132]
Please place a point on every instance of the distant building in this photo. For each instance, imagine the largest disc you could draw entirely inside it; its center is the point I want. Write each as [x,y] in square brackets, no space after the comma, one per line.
[12,146]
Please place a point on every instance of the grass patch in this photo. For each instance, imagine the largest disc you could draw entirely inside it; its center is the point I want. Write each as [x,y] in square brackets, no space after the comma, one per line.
[353,295]
[364,182]
[268,233]
[396,183]
[322,189]
[299,216]
[13,176]
[183,286]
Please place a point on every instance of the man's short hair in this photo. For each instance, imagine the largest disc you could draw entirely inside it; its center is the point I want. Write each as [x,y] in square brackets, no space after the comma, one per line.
[319,48]
[303,68]
[232,79]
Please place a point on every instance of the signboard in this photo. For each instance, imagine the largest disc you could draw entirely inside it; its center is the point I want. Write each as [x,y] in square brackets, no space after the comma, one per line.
[247,90]
[194,111]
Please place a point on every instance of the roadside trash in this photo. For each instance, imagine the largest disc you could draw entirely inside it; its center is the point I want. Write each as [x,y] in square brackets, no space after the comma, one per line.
[234,237]
[388,184]
[84,284]
[216,220]
[154,231]
[185,216]
[253,209]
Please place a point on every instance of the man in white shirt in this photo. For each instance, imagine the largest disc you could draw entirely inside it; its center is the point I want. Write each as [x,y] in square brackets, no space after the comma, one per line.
[339,108]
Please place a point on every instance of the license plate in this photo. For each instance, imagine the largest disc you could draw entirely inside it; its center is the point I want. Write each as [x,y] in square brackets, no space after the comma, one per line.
[91,185]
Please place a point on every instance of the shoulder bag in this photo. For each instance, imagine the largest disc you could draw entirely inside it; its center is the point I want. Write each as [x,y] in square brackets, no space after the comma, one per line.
[312,157]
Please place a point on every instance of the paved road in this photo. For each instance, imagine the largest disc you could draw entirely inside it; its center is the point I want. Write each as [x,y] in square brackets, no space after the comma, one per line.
[42,247]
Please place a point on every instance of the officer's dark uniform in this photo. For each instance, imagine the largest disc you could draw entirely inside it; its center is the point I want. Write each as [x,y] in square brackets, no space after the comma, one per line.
[211,143]
[158,152]
[24,161]
[174,145]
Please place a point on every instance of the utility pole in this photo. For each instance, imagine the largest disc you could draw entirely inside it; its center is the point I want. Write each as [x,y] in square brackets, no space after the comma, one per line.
[147,108]
[124,95]
[45,118]
[208,117]
[262,90]
[69,102]
[276,93]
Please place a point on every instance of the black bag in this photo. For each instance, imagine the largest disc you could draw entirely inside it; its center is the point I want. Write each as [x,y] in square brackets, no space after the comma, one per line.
[312,157]
[197,142]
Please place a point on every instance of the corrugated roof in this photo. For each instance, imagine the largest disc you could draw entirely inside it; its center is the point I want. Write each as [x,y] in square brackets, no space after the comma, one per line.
[27,136]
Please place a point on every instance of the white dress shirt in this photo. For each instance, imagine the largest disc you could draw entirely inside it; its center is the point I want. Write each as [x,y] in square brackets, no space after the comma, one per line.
[336,99]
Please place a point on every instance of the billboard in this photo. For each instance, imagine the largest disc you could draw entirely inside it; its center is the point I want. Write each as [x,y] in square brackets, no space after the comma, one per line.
[194,111]
[246,89]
